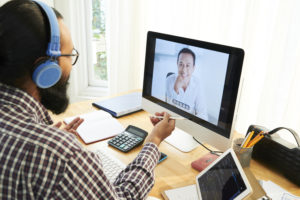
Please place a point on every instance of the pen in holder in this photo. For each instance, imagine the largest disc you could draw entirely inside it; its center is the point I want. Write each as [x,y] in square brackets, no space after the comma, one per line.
[243,154]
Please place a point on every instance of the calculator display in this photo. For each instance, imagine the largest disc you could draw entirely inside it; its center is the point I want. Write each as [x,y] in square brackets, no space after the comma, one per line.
[134,131]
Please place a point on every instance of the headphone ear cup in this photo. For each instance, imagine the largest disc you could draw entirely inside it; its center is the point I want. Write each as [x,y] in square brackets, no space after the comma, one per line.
[46,74]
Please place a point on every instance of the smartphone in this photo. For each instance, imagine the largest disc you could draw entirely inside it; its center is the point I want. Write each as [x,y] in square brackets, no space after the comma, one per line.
[162,157]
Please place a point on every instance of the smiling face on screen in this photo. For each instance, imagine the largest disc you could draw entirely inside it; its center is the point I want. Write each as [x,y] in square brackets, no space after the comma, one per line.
[186,66]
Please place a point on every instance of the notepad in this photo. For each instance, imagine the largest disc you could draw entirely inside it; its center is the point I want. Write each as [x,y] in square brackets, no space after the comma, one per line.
[97,125]
[121,105]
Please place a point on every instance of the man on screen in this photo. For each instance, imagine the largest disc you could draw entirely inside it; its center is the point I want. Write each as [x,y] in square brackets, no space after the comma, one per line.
[183,89]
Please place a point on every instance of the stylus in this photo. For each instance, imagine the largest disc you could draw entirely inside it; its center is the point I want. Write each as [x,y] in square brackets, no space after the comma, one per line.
[172,117]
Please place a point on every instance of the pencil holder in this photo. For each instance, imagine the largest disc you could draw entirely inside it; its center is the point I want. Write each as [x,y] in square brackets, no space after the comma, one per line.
[244,154]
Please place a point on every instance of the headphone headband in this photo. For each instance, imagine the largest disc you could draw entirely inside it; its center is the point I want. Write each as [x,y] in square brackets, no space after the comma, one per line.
[48,73]
[54,44]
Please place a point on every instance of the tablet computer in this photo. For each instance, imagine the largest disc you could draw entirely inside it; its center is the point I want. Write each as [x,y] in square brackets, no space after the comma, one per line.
[223,179]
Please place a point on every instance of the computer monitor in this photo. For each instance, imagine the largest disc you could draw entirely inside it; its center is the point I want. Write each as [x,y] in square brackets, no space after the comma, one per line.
[196,80]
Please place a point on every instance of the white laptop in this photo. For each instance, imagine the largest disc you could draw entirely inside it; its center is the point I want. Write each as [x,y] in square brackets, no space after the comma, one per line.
[223,179]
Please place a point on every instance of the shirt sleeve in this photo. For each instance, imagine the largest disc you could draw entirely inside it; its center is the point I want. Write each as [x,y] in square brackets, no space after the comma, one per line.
[84,178]
[136,181]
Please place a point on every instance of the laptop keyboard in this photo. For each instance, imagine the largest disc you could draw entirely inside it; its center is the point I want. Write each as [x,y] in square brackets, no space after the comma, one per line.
[111,165]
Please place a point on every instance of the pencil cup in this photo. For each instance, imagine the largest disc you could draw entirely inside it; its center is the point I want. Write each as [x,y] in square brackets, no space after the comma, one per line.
[243,154]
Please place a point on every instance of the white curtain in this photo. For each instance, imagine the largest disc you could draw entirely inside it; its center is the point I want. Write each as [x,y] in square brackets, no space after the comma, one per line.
[268,31]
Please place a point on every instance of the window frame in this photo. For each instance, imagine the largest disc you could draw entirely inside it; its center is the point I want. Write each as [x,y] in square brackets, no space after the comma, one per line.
[79,88]
[89,38]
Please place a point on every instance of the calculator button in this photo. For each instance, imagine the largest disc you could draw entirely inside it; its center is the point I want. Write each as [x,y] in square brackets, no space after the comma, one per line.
[126,147]
[122,145]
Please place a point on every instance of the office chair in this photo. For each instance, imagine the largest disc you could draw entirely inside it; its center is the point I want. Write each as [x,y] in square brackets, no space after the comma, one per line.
[170,73]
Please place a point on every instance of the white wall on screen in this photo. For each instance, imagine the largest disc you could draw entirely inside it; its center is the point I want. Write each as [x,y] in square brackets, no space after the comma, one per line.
[210,69]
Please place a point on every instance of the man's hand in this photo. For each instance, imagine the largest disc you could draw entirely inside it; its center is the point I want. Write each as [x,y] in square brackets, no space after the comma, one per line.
[72,126]
[162,128]
[180,83]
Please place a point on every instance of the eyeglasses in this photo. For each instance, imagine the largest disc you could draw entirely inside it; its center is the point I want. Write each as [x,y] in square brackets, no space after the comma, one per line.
[74,55]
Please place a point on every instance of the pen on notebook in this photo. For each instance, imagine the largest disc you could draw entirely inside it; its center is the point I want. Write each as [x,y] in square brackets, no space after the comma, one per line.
[171,117]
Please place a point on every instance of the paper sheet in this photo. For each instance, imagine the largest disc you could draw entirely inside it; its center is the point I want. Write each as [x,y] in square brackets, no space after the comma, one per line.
[276,192]
[183,193]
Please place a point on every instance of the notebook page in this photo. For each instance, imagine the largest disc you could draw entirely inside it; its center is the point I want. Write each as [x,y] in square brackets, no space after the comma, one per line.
[91,116]
[97,125]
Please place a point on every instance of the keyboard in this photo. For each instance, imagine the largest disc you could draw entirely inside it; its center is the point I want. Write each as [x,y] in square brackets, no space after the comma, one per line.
[111,165]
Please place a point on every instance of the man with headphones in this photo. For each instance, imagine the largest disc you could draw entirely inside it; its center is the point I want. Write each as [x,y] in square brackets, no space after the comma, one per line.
[39,160]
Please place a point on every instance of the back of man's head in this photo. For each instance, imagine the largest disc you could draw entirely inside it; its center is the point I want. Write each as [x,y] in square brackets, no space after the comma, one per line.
[24,36]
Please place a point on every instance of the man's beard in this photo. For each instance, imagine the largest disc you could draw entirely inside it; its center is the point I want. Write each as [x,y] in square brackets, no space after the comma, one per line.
[55,98]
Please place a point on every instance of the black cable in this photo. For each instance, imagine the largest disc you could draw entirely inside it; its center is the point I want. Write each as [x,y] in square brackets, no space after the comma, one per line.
[211,151]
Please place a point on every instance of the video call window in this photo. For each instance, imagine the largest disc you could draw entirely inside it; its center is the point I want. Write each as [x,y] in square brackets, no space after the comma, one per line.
[190,78]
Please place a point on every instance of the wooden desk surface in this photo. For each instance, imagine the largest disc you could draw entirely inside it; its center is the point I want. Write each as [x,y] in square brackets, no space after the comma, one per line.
[176,170]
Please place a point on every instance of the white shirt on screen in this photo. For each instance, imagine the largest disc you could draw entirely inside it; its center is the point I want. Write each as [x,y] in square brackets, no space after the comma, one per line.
[191,100]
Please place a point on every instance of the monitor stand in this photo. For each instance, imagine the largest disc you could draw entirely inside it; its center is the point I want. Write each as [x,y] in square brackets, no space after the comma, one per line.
[182,140]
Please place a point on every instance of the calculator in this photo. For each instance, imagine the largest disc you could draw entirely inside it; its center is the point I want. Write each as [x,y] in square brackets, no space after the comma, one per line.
[128,139]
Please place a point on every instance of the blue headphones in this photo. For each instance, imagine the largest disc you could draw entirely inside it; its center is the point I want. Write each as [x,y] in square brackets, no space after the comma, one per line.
[48,72]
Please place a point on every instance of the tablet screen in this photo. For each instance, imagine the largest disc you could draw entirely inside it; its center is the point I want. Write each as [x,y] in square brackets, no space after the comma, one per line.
[222,181]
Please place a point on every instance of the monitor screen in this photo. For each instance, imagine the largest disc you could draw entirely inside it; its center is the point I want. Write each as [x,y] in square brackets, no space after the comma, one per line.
[194,79]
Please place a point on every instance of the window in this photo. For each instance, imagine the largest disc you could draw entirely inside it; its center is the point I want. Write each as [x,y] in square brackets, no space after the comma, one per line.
[87,24]
[97,66]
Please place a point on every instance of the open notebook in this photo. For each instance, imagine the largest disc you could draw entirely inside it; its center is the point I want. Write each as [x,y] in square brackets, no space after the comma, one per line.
[97,125]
